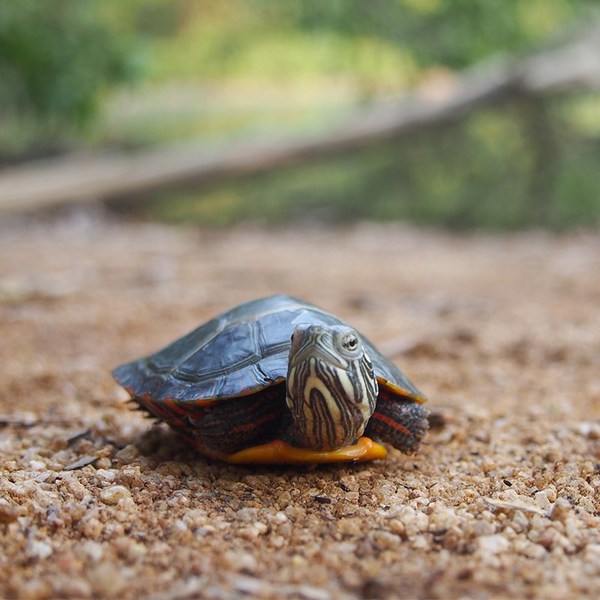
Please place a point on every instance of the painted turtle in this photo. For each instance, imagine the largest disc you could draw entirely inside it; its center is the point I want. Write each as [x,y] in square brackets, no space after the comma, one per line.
[278,380]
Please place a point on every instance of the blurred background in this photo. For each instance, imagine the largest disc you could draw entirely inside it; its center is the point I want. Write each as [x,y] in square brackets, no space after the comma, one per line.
[133,77]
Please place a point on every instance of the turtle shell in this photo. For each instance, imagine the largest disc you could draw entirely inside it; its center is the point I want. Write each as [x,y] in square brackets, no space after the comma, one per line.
[239,353]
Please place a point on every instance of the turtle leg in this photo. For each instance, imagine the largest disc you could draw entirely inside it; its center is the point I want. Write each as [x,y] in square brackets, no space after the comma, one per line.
[399,422]
[229,425]
[280,452]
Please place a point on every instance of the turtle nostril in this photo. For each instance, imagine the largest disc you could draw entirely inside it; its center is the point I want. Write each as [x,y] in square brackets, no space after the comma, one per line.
[316,329]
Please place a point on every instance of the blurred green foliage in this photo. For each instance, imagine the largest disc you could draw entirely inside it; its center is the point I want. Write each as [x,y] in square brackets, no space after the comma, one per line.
[224,68]
[379,45]
[56,58]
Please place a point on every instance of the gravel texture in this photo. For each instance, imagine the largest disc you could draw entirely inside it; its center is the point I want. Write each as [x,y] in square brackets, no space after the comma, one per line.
[501,332]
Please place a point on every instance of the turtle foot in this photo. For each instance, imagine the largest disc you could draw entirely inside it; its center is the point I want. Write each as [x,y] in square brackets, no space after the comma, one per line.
[279,452]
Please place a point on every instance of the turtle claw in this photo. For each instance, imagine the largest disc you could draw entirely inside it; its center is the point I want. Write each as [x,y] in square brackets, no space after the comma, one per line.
[279,452]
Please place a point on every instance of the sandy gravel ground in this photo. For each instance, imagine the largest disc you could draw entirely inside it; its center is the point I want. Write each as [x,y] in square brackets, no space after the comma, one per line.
[501,333]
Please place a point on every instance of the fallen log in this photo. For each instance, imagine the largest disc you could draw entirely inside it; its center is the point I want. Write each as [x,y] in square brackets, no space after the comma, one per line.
[572,67]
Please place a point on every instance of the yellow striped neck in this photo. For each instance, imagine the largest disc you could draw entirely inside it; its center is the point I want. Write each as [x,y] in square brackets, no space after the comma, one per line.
[331,396]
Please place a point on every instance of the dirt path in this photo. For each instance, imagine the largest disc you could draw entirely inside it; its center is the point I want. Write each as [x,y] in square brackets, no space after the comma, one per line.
[502,334]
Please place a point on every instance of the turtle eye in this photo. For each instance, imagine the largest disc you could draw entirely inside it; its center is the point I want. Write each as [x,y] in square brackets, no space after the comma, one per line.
[350,342]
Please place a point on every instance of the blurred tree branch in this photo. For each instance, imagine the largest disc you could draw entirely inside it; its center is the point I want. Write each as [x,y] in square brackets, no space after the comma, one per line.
[573,67]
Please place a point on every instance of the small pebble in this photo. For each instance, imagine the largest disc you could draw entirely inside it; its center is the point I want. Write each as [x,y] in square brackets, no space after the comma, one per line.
[93,550]
[128,454]
[541,499]
[280,518]
[8,513]
[106,580]
[104,463]
[108,475]
[493,544]
[92,528]
[114,494]
[38,549]
[561,510]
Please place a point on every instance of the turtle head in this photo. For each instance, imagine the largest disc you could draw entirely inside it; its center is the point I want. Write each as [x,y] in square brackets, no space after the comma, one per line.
[331,386]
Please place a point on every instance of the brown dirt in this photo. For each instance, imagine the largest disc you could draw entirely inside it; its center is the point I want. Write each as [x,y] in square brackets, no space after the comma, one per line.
[502,333]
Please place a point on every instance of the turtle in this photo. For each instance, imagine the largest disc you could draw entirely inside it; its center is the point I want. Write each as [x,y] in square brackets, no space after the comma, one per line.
[278,380]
